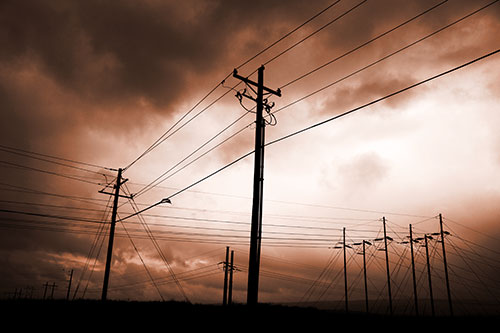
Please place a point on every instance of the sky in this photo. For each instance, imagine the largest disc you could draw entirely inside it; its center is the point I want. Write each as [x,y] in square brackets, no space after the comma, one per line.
[86,87]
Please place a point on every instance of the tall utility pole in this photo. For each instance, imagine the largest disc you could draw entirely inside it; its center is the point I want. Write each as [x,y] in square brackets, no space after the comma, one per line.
[258,184]
[364,273]
[387,267]
[413,272]
[345,272]
[230,291]
[426,237]
[69,284]
[445,264]
[46,285]
[226,268]
[109,256]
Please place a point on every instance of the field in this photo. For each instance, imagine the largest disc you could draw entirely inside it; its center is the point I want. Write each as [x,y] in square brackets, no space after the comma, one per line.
[168,316]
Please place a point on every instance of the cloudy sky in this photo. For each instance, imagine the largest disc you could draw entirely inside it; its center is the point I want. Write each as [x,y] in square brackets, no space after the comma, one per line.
[86,87]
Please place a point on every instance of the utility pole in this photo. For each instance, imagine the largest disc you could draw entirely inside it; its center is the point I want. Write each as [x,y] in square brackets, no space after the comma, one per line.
[413,272]
[53,287]
[226,267]
[387,266]
[345,273]
[429,273]
[445,264]
[69,284]
[364,274]
[45,286]
[231,270]
[258,183]
[109,255]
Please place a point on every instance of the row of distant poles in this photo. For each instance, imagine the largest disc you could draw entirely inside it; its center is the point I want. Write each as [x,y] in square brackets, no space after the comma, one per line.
[411,241]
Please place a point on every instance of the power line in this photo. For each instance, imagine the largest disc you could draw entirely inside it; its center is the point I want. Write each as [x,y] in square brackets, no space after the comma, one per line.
[26,153]
[385,57]
[324,122]
[362,45]
[48,172]
[157,181]
[384,97]
[289,33]
[166,135]
[316,31]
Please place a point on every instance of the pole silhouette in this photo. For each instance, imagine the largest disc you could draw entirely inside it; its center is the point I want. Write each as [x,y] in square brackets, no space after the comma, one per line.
[364,274]
[345,273]
[431,296]
[442,232]
[226,268]
[387,267]
[231,270]
[258,184]
[109,255]
[413,272]
[69,284]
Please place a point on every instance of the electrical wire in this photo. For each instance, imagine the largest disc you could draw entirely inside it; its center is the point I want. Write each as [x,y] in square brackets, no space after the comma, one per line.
[316,31]
[166,135]
[362,45]
[289,33]
[388,56]
[28,153]
[378,100]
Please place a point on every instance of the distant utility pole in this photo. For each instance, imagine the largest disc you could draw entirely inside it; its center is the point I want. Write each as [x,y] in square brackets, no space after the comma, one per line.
[45,286]
[69,284]
[413,272]
[53,287]
[426,237]
[226,268]
[231,270]
[387,267]
[445,263]
[119,182]
[258,183]
[345,272]
[227,294]
[364,274]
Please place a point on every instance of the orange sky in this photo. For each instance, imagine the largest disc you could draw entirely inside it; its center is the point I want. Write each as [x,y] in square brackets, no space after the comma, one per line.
[99,83]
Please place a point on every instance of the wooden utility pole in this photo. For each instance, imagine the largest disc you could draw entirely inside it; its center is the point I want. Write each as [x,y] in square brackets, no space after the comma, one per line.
[226,268]
[345,272]
[109,255]
[387,267]
[426,237]
[45,286]
[258,183]
[231,270]
[413,272]
[450,305]
[364,274]
[69,284]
